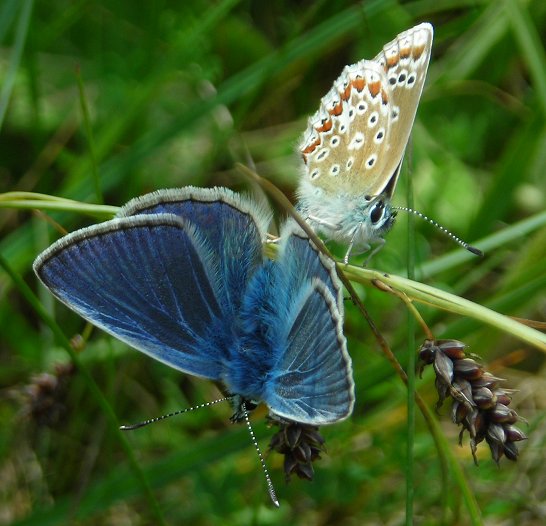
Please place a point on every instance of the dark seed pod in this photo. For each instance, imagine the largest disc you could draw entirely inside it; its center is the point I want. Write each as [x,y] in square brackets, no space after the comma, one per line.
[458,412]
[303,452]
[495,433]
[300,444]
[443,391]
[305,471]
[479,404]
[511,451]
[468,368]
[487,380]
[292,435]
[472,421]
[452,348]
[427,352]
[484,398]
[513,434]
[497,450]
[290,463]
[503,414]
[462,391]
[444,368]
[502,397]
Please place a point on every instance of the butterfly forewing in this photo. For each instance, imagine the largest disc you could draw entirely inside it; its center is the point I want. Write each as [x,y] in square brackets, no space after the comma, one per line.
[151,282]
[356,140]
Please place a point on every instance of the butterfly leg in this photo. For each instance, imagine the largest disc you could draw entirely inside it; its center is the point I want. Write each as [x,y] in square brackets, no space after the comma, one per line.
[363,248]
[321,222]
[348,253]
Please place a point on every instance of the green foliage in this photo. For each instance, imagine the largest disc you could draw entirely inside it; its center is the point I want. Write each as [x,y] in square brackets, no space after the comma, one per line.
[102,101]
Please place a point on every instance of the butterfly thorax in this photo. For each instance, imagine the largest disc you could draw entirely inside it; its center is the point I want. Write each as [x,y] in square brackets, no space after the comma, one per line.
[355,220]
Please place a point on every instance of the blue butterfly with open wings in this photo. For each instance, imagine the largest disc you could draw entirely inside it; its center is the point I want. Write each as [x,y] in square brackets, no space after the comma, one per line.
[180,275]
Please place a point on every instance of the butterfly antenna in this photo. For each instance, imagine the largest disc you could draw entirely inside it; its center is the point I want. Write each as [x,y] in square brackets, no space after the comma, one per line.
[270,487]
[157,419]
[457,240]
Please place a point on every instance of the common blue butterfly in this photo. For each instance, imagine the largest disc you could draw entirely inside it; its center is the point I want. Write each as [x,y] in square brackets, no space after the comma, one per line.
[179,275]
[354,144]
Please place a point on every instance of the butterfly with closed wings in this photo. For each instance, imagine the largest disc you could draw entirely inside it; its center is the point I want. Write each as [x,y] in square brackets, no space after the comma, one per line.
[354,144]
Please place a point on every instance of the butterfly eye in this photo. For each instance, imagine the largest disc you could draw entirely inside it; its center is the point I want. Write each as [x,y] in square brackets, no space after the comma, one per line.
[377,212]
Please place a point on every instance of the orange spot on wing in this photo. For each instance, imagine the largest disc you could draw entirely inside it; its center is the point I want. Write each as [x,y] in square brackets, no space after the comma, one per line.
[311,147]
[337,109]
[418,51]
[375,88]
[392,61]
[326,126]
[346,93]
[405,52]
[384,97]
[308,149]
[359,84]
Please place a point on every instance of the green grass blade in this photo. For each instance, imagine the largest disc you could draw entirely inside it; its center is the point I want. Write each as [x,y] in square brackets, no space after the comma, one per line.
[15,59]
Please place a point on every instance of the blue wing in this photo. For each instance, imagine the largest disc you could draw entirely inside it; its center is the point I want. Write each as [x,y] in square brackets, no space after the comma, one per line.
[304,261]
[312,380]
[234,227]
[293,352]
[150,281]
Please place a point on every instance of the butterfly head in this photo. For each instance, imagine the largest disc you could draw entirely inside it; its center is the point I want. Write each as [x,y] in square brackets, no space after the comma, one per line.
[240,406]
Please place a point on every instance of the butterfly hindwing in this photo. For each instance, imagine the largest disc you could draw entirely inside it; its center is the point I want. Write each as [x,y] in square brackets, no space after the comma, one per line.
[151,282]
[305,261]
[312,382]
[296,358]
[342,146]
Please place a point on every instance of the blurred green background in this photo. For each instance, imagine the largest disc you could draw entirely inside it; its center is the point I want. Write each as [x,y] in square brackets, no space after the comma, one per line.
[177,92]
